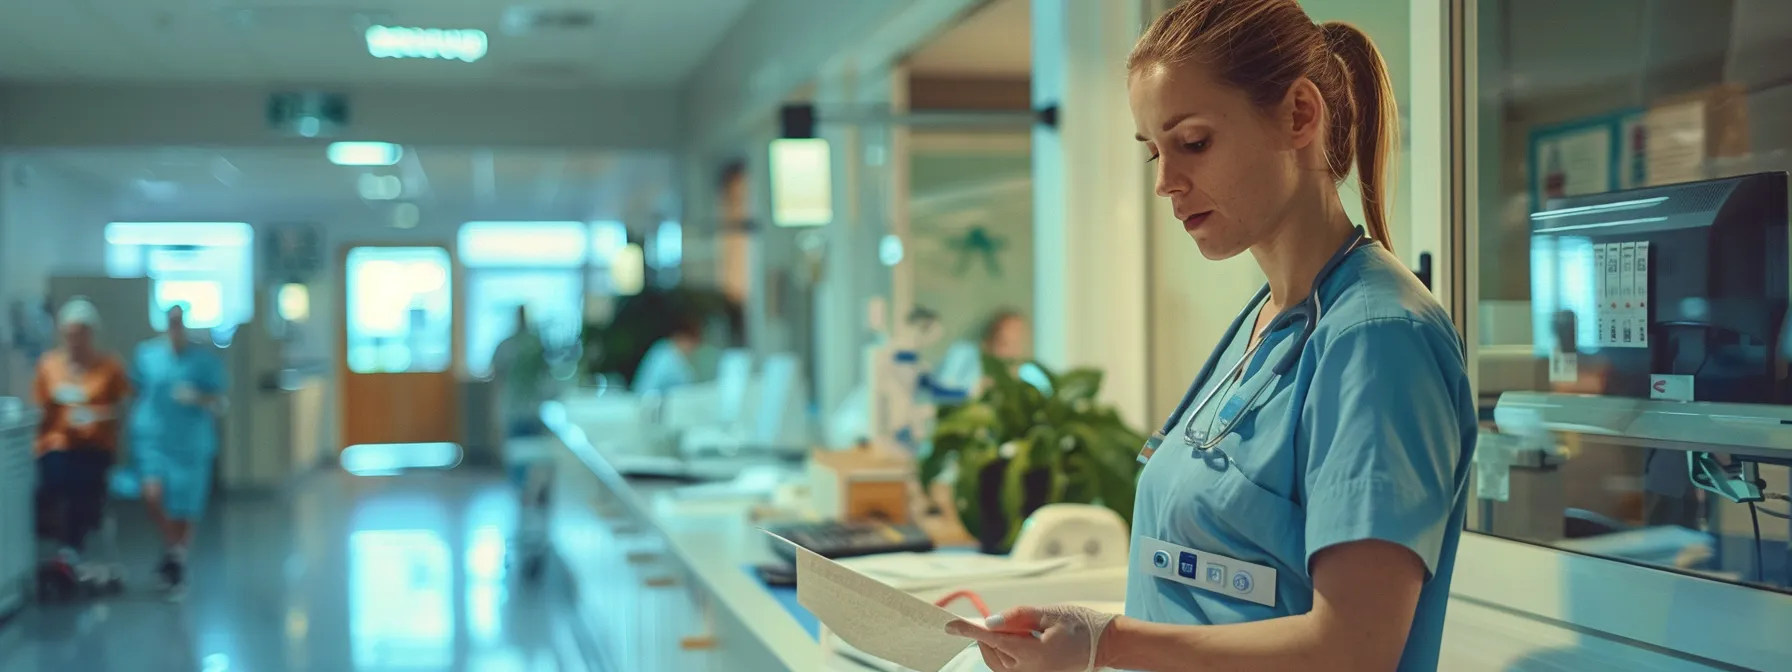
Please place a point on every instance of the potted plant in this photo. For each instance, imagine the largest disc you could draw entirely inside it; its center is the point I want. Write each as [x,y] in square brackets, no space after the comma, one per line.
[616,348]
[1018,447]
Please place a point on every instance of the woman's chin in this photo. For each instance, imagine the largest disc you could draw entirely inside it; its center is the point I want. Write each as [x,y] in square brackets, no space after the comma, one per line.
[1214,250]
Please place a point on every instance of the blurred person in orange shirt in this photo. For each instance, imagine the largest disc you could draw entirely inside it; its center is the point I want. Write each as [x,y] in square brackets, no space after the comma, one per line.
[80,389]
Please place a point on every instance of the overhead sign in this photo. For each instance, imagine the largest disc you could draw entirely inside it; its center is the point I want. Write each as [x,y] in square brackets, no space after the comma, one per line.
[308,114]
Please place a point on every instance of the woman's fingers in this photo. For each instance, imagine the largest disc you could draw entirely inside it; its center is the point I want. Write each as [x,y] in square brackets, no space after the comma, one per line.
[996,660]
[1007,642]
[1016,620]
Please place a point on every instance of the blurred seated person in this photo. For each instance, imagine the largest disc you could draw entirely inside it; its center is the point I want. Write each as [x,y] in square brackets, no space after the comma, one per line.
[1005,336]
[1008,337]
[80,389]
[667,364]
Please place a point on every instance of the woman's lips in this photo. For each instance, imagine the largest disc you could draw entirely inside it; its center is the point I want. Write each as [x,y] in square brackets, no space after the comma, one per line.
[1192,222]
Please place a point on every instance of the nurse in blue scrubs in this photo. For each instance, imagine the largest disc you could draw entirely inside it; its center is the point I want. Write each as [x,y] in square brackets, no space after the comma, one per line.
[174,436]
[667,365]
[1301,508]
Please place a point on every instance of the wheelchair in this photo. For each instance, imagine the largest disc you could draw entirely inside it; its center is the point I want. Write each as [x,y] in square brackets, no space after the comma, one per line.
[99,574]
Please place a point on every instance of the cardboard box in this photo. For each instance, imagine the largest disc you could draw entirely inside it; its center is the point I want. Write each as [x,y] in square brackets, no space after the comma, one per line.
[861,484]
[1686,131]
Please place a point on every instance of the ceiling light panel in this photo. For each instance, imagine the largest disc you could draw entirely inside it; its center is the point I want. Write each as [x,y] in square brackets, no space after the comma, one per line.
[467,45]
[365,153]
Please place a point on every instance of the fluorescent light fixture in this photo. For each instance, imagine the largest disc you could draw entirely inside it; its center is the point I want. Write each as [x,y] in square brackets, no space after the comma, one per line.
[889,250]
[628,273]
[467,45]
[365,153]
[607,240]
[668,245]
[204,234]
[406,216]
[522,244]
[802,189]
[380,187]
[294,302]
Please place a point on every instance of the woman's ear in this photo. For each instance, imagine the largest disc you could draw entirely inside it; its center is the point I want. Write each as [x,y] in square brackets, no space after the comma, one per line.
[1304,111]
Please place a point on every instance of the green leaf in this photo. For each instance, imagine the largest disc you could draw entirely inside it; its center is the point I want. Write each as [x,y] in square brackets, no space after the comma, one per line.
[1078,384]
[966,420]
[940,453]
[965,492]
[1014,492]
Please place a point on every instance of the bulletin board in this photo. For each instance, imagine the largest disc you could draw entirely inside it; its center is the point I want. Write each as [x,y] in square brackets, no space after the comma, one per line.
[1587,156]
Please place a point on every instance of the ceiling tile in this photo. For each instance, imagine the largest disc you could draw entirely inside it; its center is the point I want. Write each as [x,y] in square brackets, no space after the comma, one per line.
[637,42]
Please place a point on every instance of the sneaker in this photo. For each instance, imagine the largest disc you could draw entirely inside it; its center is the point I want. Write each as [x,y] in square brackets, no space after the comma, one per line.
[172,573]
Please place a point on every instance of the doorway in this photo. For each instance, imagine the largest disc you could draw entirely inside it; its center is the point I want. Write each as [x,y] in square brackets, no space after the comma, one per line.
[396,353]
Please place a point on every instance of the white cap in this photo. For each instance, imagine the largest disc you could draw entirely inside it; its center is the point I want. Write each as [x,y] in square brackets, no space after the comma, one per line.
[78,310]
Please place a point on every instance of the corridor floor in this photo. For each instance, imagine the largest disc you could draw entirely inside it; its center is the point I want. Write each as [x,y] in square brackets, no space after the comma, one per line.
[346,574]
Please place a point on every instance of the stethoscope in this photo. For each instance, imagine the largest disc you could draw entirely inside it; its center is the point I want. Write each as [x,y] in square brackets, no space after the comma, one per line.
[1306,312]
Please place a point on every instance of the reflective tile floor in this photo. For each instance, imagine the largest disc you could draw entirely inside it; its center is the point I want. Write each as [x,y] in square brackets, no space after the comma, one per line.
[347,574]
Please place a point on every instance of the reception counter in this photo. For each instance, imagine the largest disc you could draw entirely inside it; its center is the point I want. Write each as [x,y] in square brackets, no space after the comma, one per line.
[663,574]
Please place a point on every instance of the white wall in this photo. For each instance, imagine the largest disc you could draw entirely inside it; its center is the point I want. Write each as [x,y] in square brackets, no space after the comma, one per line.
[45,216]
[775,47]
[51,115]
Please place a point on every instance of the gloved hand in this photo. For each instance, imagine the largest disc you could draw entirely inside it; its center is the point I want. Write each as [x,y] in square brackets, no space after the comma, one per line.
[1038,639]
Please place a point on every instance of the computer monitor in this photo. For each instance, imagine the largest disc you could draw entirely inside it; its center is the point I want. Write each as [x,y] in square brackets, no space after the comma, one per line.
[1676,292]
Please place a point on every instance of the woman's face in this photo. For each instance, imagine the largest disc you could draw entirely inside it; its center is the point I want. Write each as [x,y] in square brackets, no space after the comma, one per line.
[1010,340]
[1229,167]
[77,338]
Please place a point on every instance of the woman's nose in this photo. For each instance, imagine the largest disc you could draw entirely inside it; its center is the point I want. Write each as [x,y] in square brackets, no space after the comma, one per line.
[1168,182]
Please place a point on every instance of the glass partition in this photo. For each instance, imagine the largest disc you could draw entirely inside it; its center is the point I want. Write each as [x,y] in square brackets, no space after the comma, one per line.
[1645,299]
[971,233]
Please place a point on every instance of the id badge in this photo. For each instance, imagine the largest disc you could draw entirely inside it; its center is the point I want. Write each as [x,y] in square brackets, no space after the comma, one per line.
[69,394]
[1211,572]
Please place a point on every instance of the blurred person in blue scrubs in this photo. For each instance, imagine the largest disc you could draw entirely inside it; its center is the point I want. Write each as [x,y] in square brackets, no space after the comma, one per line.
[525,381]
[667,364]
[174,436]
[520,367]
[1301,509]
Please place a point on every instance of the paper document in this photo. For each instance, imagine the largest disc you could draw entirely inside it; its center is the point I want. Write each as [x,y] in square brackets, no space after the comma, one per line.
[873,617]
[923,571]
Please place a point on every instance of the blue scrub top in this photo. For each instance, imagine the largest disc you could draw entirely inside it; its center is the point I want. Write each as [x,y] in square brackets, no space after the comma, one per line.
[1368,437]
[663,368]
[158,422]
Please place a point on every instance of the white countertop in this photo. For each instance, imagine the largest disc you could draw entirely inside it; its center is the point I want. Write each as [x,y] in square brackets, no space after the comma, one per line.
[712,540]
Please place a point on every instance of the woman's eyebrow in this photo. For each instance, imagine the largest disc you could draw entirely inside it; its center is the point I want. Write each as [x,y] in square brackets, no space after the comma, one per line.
[1171,123]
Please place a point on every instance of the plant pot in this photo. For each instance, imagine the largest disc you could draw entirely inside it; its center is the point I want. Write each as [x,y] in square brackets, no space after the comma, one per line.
[994,524]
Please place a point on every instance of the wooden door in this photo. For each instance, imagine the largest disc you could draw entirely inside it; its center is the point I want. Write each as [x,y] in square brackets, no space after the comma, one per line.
[399,332]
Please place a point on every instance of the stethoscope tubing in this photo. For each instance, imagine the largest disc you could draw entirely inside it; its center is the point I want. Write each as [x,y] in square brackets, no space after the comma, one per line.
[1310,307]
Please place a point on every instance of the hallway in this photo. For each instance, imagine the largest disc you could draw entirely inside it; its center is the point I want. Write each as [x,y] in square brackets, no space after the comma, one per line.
[362,574]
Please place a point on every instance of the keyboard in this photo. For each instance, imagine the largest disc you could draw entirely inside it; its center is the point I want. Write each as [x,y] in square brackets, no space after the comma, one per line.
[835,540]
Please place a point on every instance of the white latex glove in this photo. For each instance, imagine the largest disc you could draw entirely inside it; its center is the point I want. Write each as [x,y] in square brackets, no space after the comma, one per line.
[1038,639]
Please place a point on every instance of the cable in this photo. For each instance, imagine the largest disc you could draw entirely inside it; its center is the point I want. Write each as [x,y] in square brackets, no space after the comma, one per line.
[975,600]
[1775,514]
[1760,566]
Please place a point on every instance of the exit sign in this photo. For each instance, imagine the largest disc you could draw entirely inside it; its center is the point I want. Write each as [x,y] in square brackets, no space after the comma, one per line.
[308,114]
